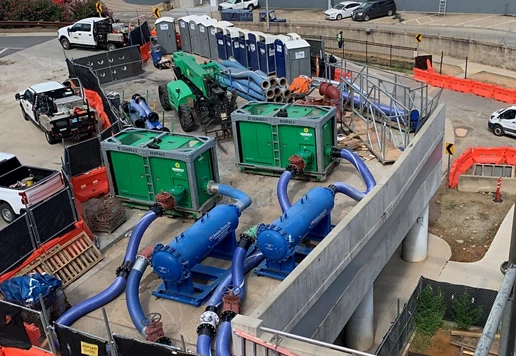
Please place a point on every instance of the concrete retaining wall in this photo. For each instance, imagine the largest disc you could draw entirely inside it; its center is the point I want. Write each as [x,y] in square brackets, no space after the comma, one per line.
[460,6]
[309,302]
[478,52]
[474,184]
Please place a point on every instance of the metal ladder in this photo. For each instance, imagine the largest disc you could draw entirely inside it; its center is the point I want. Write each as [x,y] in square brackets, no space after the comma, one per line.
[442,7]
[148,178]
[275,146]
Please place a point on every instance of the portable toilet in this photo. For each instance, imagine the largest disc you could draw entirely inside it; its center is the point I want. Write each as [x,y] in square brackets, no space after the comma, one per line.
[252,57]
[279,56]
[297,59]
[266,58]
[166,29]
[216,36]
[184,31]
[232,44]
[194,33]
[242,54]
[204,36]
[294,36]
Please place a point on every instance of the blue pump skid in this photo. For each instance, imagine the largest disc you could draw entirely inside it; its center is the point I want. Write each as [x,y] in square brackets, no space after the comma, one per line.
[178,263]
[309,219]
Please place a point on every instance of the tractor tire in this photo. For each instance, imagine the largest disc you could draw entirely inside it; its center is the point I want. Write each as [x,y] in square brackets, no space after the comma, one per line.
[186,119]
[163,97]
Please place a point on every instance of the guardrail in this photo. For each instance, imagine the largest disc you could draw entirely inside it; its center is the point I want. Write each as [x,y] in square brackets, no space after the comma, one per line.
[33,24]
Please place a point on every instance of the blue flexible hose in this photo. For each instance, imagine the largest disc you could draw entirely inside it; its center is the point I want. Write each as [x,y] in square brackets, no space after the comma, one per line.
[133,298]
[232,62]
[204,345]
[237,270]
[366,174]
[243,201]
[281,190]
[118,285]
[223,341]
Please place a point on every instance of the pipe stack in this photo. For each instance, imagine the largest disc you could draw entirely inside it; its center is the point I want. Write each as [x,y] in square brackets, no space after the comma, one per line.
[252,85]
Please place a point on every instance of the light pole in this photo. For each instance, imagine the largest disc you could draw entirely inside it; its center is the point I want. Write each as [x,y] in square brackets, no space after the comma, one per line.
[267,13]
[329,4]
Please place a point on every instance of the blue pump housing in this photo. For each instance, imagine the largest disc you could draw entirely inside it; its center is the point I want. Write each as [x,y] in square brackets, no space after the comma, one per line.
[178,262]
[309,216]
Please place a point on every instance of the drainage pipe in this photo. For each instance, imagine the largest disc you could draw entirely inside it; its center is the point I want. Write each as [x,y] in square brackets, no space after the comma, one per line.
[244,79]
[242,89]
[150,115]
[368,178]
[118,285]
[243,73]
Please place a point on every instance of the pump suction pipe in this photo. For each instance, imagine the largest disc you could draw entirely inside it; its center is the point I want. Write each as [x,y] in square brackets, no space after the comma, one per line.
[355,160]
[243,201]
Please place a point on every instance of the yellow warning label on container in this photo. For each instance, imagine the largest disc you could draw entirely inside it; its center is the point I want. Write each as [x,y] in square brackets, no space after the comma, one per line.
[89,349]
[305,129]
[177,165]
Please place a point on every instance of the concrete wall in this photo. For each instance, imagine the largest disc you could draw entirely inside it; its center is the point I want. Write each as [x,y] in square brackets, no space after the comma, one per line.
[474,184]
[310,301]
[461,6]
[479,52]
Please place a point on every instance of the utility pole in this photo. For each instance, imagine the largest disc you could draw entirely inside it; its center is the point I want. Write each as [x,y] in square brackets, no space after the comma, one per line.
[329,4]
[508,330]
[267,13]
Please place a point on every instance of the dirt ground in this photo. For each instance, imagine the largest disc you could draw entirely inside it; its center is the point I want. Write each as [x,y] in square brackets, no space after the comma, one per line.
[467,221]
[448,69]
[491,78]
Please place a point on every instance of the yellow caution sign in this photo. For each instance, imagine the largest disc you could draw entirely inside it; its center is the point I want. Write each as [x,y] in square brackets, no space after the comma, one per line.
[450,149]
[98,7]
[419,38]
[89,349]
[157,12]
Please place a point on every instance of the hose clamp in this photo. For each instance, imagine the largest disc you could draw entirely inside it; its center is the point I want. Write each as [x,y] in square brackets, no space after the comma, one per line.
[211,318]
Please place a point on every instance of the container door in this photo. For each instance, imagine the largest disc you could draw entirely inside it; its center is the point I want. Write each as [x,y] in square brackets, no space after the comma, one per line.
[236,48]
[271,58]
[279,53]
[262,57]
[256,144]
[229,46]
[214,48]
[194,38]
[168,173]
[252,55]
[221,45]
[242,51]
[185,36]
[167,37]
[129,176]
[203,173]
[297,139]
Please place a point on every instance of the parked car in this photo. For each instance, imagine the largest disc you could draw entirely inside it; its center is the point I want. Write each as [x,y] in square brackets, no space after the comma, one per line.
[24,186]
[341,10]
[503,122]
[238,4]
[58,110]
[97,32]
[373,9]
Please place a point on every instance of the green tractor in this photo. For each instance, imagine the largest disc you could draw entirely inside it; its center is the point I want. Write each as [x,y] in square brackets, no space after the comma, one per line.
[196,95]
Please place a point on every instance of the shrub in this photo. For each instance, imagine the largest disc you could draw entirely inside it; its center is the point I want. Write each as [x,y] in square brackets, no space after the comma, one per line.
[464,311]
[430,312]
[49,10]
[80,9]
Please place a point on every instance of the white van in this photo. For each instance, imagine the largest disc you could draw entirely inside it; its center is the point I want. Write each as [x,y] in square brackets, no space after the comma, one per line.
[503,122]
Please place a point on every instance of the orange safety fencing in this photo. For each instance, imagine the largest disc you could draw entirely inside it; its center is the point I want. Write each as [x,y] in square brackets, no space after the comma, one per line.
[95,101]
[480,155]
[465,85]
[9,351]
[145,51]
[80,227]
[91,184]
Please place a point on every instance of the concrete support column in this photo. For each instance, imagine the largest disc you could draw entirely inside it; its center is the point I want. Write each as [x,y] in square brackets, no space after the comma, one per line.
[415,244]
[359,331]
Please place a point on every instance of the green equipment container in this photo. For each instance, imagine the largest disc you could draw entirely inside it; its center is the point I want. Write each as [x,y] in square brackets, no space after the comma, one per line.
[142,164]
[267,135]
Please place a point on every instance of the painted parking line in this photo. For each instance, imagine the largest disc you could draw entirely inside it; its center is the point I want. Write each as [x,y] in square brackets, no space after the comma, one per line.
[480,18]
[502,23]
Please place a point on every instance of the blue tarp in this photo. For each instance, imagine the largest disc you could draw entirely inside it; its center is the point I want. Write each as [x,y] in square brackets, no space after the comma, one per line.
[26,289]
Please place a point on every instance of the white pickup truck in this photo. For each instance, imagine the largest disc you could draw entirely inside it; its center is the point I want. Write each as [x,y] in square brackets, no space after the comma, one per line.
[95,32]
[24,186]
[238,5]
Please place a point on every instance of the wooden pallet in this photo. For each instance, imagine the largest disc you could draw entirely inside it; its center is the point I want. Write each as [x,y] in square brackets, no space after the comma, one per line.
[67,262]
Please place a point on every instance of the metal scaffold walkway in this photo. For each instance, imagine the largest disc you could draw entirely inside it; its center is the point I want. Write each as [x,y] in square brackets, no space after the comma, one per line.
[384,109]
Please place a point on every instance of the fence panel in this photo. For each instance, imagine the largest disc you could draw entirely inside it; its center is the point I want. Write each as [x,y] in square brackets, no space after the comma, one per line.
[16,243]
[74,342]
[82,157]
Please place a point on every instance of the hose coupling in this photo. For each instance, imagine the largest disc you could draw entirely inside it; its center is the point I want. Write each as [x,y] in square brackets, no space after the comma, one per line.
[293,170]
[124,269]
[245,241]
[164,201]
[227,315]
[335,152]
[209,320]
[333,188]
[298,162]
[142,262]
[212,187]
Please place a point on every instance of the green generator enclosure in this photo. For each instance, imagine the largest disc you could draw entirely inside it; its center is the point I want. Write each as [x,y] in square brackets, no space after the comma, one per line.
[266,135]
[143,163]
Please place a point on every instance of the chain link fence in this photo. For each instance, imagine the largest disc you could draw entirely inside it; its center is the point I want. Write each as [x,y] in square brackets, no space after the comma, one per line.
[401,330]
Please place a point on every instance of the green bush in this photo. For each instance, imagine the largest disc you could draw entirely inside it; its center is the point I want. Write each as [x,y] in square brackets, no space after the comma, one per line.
[430,312]
[49,10]
[464,311]
[80,9]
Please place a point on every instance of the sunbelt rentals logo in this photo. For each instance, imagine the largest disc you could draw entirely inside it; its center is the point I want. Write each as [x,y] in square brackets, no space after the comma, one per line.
[305,133]
[177,168]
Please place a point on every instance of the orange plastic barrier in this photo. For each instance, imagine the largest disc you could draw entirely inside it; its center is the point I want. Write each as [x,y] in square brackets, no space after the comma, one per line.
[80,227]
[95,101]
[90,184]
[145,51]
[460,85]
[505,95]
[482,89]
[480,155]
[437,80]
[422,75]
[8,351]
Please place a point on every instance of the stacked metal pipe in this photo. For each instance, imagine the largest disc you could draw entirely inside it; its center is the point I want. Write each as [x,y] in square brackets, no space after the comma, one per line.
[252,85]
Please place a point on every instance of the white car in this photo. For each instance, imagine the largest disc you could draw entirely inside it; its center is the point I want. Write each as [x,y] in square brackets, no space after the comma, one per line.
[341,10]
[503,122]
[238,5]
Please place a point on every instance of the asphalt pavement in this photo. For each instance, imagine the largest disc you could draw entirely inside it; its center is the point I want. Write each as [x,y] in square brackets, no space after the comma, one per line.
[13,44]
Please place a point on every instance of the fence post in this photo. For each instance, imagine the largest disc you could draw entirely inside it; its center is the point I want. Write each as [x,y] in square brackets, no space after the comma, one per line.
[466,69]
[46,326]
[390,55]
[441,67]
[112,343]
[366,51]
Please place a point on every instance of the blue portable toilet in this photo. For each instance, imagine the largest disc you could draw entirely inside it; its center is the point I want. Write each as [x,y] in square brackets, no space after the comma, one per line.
[216,35]
[266,56]
[232,44]
[252,58]
[243,38]
[279,54]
